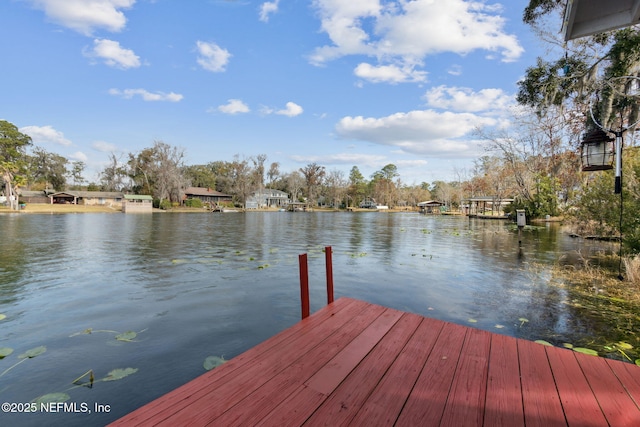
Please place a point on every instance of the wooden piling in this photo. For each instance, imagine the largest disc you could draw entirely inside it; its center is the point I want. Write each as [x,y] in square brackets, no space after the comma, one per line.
[304,285]
[329,268]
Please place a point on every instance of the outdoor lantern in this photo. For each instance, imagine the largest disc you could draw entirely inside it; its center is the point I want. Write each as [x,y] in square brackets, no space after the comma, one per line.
[597,151]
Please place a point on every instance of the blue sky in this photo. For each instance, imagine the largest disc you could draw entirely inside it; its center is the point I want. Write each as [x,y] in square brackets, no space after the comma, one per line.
[337,82]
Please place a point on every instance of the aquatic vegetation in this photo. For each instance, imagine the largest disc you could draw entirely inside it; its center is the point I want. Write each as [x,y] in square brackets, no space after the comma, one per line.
[498,326]
[472,321]
[29,354]
[51,398]
[543,342]
[126,336]
[3,316]
[118,374]
[621,347]
[584,350]
[91,378]
[358,255]
[263,266]
[89,331]
[213,362]
[5,351]
[522,321]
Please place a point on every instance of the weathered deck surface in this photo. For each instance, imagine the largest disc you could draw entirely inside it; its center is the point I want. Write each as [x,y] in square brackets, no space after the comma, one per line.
[354,363]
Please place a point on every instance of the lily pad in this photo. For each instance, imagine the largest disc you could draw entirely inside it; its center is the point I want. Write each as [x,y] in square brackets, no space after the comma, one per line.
[624,346]
[543,342]
[567,345]
[126,336]
[33,352]
[213,362]
[3,316]
[5,351]
[472,321]
[638,362]
[118,374]
[52,398]
[585,351]
[499,326]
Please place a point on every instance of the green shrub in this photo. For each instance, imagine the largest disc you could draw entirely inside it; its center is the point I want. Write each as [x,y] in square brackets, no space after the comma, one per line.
[193,203]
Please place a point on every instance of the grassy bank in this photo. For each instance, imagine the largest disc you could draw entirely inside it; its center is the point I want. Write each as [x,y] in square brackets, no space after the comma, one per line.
[59,208]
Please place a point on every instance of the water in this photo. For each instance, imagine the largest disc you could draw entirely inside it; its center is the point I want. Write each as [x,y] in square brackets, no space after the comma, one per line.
[199,285]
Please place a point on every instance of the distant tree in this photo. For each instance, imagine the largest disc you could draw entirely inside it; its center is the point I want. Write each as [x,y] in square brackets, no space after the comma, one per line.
[357,186]
[313,176]
[157,171]
[13,144]
[241,178]
[113,175]
[382,185]
[223,174]
[273,173]
[77,169]
[200,176]
[258,171]
[294,184]
[48,168]
[336,187]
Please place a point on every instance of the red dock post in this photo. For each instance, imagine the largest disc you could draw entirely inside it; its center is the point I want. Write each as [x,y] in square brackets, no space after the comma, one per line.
[304,284]
[329,266]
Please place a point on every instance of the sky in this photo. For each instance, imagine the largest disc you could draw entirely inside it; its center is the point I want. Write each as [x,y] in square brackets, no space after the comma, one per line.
[341,83]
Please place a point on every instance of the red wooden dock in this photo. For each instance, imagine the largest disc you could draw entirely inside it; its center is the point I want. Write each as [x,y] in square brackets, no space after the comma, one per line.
[354,363]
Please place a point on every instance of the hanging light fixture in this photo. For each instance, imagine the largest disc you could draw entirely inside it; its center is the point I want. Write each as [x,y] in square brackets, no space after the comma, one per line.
[597,150]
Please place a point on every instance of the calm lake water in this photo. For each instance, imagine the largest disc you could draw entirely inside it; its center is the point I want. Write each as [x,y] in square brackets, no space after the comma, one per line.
[197,285]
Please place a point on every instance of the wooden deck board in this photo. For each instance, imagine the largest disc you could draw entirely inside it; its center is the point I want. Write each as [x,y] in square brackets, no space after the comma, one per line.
[354,363]
[503,405]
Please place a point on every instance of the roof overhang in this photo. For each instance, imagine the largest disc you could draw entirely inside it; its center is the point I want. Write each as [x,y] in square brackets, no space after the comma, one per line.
[587,17]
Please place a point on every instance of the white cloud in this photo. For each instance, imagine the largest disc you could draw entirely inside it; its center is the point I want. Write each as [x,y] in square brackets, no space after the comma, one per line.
[465,99]
[389,73]
[79,156]
[423,132]
[292,109]
[268,8]
[212,57]
[45,134]
[86,16]
[406,32]
[146,95]
[234,106]
[455,70]
[113,54]
[104,147]
[348,159]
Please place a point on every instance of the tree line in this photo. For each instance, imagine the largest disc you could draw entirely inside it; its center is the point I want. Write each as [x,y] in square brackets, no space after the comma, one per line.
[593,82]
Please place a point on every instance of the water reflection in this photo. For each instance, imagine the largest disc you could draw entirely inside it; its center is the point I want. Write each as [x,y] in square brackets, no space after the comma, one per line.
[217,284]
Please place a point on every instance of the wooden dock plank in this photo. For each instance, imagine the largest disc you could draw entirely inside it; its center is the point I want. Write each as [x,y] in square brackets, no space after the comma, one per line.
[385,402]
[258,404]
[465,404]
[326,342]
[629,375]
[503,405]
[616,403]
[182,397]
[333,373]
[541,402]
[426,402]
[344,403]
[354,363]
[579,404]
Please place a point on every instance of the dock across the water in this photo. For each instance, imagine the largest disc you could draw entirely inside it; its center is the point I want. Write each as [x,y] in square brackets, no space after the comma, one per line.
[355,363]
